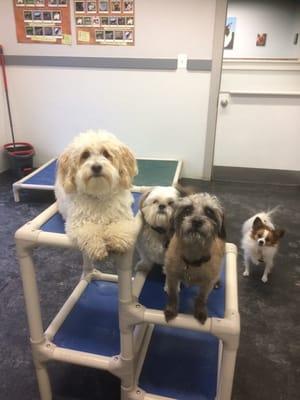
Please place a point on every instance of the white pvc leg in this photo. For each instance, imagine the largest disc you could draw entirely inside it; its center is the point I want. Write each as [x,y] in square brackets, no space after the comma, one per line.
[227,374]
[43,382]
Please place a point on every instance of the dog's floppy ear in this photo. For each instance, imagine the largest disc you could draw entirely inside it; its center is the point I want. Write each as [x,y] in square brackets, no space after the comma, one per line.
[180,208]
[127,167]
[278,233]
[66,171]
[257,224]
[222,230]
[185,190]
[144,197]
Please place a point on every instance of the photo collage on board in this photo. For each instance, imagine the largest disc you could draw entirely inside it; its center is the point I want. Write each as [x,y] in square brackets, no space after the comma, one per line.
[43,21]
[105,22]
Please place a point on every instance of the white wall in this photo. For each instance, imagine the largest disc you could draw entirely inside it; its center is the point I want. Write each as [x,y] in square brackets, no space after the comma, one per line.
[256,131]
[279,19]
[158,113]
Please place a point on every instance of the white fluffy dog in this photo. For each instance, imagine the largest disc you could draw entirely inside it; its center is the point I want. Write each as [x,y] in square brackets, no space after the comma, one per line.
[260,242]
[156,210]
[93,182]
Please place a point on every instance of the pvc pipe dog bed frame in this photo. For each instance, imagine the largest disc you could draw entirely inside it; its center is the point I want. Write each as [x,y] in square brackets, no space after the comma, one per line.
[116,323]
[152,172]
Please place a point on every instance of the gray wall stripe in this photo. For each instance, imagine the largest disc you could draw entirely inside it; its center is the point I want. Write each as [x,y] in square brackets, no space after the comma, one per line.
[256,175]
[106,62]
[199,65]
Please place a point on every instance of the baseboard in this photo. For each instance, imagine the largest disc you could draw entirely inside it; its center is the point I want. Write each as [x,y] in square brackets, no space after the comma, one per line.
[256,175]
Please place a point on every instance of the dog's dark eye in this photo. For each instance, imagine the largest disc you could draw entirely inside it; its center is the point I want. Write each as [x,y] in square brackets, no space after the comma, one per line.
[170,203]
[85,155]
[155,201]
[188,210]
[209,212]
[106,154]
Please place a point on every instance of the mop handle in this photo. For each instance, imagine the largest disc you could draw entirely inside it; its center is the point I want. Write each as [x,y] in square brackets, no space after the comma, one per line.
[2,61]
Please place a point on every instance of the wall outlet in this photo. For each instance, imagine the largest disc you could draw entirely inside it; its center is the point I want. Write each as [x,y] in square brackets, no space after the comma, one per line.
[181,61]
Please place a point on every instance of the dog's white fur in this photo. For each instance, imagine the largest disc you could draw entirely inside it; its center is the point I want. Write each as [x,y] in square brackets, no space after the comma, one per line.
[151,244]
[92,188]
[252,251]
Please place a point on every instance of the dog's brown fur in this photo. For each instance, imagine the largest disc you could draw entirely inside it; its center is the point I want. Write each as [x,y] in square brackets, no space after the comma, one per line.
[194,263]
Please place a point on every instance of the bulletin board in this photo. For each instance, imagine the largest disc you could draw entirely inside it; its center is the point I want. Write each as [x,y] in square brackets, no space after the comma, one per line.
[43,21]
[107,22]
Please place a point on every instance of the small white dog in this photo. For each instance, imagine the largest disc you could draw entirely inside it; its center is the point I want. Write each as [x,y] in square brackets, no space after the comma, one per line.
[156,210]
[92,188]
[260,242]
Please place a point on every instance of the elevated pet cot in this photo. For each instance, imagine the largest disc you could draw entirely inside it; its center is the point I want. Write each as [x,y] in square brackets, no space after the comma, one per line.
[152,172]
[115,323]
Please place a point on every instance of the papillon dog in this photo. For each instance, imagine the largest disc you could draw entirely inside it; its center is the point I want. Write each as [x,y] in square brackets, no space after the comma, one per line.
[260,242]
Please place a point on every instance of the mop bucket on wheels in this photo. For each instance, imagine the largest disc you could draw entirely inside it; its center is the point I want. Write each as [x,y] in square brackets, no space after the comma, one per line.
[20,157]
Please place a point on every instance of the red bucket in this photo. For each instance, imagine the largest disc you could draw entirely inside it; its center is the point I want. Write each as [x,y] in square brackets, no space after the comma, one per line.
[20,156]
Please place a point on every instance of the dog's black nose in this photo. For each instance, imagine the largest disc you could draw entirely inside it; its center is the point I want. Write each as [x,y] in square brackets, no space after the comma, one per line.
[260,242]
[197,223]
[162,207]
[96,168]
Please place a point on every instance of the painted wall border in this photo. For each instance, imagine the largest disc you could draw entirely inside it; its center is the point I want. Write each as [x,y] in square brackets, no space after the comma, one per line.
[256,175]
[162,64]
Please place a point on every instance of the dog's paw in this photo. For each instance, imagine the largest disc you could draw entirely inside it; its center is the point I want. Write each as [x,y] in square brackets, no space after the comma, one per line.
[117,244]
[170,313]
[264,279]
[200,314]
[96,250]
[246,273]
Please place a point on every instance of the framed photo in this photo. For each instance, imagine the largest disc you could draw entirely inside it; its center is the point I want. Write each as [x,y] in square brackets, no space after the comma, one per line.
[57,31]
[99,35]
[229,33]
[96,21]
[79,21]
[104,21]
[119,35]
[261,39]
[38,31]
[48,31]
[79,7]
[116,6]
[37,16]
[109,35]
[87,21]
[113,21]
[122,21]
[128,35]
[103,6]
[47,16]
[128,6]
[27,16]
[29,31]
[129,21]
[56,16]
[91,7]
